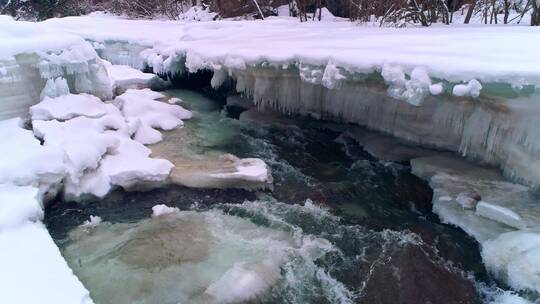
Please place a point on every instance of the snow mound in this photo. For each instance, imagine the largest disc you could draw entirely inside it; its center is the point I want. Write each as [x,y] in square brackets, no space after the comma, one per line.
[145,114]
[24,161]
[471,89]
[159,210]
[69,106]
[515,258]
[499,214]
[124,77]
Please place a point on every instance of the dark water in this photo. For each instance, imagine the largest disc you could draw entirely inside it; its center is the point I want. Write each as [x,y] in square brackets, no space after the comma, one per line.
[387,246]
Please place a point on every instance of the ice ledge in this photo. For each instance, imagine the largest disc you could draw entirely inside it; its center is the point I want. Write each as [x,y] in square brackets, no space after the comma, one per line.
[503,217]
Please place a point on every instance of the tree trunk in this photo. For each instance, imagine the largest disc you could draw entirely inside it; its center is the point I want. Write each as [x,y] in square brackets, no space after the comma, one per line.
[470,12]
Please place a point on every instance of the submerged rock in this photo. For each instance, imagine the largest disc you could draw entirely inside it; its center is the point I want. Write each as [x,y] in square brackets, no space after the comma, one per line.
[410,276]
[181,257]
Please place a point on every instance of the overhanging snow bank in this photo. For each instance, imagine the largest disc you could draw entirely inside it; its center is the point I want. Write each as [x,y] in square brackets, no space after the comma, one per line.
[31,56]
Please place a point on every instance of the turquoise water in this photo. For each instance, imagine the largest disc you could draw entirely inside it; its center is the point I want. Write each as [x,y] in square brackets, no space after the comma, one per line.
[352,229]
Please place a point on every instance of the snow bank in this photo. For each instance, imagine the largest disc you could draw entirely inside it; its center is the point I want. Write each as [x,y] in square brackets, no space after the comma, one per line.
[36,62]
[353,48]
[96,140]
[19,204]
[30,259]
[24,161]
[29,256]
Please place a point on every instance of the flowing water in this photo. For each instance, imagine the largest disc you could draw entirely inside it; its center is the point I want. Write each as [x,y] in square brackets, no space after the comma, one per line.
[339,227]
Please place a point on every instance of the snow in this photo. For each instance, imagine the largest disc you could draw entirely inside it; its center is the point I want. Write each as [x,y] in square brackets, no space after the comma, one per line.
[249,169]
[159,210]
[124,77]
[499,214]
[24,161]
[34,271]
[54,88]
[18,205]
[92,222]
[515,258]
[146,114]
[475,51]
[509,298]
[472,89]
[17,37]
[506,221]
[69,106]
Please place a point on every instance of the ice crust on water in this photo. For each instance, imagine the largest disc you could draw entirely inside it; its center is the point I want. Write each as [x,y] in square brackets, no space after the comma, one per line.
[249,169]
[124,77]
[510,251]
[499,214]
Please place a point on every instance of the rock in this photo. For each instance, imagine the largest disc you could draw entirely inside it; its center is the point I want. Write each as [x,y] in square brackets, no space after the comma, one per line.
[411,276]
[468,200]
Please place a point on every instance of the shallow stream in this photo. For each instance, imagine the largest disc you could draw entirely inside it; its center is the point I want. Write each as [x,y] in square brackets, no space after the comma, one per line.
[339,227]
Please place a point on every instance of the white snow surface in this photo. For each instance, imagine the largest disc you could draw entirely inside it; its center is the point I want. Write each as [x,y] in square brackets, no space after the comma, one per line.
[124,77]
[145,114]
[499,214]
[24,161]
[34,271]
[18,204]
[69,106]
[159,210]
[515,258]
[17,37]
[454,53]
[250,169]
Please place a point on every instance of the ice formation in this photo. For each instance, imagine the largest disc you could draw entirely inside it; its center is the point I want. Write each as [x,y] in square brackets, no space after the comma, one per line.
[96,139]
[145,114]
[471,89]
[506,221]
[124,77]
[515,258]
[326,79]
[29,173]
[159,210]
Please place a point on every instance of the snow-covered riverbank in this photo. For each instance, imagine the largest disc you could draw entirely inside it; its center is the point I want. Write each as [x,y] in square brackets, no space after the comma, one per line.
[458,89]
